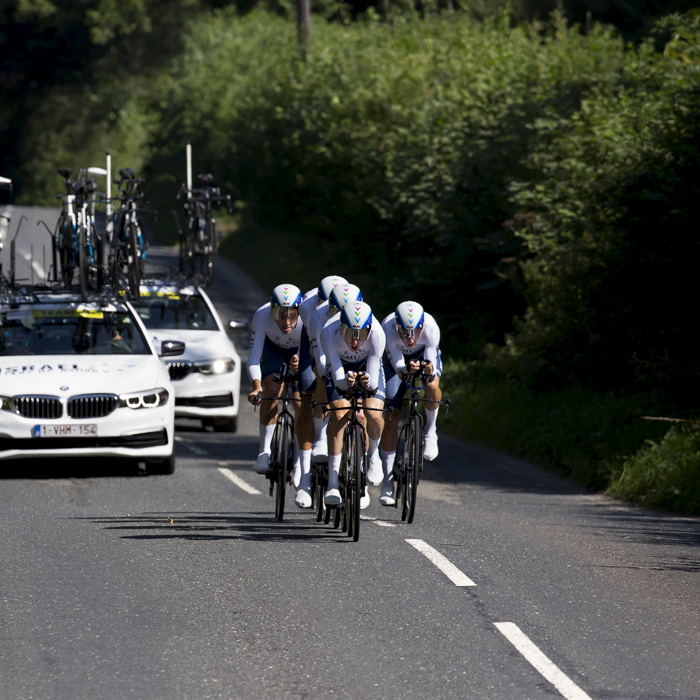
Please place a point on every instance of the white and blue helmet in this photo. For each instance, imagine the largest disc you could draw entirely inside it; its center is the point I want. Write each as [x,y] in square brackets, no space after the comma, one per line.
[326,286]
[355,321]
[409,319]
[343,294]
[284,297]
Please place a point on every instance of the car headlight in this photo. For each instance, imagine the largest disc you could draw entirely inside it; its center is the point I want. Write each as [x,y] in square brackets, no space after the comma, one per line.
[222,365]
[144,399]
[5,403]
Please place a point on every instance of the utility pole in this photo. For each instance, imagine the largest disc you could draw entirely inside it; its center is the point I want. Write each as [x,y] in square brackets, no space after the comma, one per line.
[304,26]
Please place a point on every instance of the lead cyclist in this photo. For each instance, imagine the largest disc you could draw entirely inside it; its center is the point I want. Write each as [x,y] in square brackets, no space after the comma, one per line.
[353,347]
[412,347]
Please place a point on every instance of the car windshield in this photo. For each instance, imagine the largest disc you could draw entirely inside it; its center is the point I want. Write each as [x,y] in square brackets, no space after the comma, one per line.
[70,331]
[187,312]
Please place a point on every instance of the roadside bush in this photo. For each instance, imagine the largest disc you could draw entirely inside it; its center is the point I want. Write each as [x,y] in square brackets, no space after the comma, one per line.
[664,474]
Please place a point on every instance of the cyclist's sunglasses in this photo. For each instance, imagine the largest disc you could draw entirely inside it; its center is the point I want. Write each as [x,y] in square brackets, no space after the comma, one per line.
[409,333]
[284,312]
[350,334]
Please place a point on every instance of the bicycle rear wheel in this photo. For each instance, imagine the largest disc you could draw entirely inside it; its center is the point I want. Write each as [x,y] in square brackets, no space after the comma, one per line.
[134,258]
[283,458]
[84,262]
[413,466]
[66,233]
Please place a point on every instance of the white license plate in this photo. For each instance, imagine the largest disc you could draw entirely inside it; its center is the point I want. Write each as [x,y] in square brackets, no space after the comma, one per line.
[49,431]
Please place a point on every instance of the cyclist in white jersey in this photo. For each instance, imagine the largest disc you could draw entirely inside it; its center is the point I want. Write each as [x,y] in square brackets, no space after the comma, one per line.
[274,340]
[412,346]
[353,347]
[309,427]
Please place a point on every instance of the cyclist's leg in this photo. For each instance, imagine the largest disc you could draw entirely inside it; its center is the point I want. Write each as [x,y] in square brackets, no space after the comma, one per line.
[303,425]
[336,426]
[375,426]
[395,389]
[433,393]
[270,362]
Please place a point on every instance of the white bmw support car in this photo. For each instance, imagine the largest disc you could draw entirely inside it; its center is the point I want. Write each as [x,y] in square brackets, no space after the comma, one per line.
[207,377]
[82,379]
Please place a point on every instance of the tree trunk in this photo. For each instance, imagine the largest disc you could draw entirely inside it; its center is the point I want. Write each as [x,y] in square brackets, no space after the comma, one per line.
[304,26]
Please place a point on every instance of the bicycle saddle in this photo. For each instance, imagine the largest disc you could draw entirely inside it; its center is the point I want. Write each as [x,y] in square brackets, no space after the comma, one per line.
[208,177]
[126,172]
[65,173]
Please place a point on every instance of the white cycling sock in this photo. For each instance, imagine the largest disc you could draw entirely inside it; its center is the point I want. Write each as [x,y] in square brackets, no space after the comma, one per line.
[297,455]
[373,446]
[430,420]
[305,456]
[333,471]
[266,437]
[388,461]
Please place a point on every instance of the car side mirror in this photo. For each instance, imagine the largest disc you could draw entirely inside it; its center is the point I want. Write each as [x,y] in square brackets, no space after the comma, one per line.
[238,324]
[171,348]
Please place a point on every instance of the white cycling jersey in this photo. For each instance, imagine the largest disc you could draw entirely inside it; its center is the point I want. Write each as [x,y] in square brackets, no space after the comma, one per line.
[337,351]
[427,343]
[308,307]
[264,326]
[319,320]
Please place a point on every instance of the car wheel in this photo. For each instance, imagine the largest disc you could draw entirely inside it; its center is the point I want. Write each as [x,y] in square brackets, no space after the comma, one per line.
[222,425]
[165,466]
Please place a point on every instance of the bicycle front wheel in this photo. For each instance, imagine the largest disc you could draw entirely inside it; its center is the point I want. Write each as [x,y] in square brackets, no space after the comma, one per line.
[413,466]
[355,476]
[283,459]
[208,259]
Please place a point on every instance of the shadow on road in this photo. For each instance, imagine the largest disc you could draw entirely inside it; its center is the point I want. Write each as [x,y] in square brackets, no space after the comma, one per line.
[69,468]
[251,526]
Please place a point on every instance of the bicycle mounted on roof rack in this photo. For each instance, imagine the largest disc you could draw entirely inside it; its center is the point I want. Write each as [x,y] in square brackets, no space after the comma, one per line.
[198,243]
[127,246]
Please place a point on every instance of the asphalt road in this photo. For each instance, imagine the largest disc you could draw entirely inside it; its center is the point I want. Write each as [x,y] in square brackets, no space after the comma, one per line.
[117,585]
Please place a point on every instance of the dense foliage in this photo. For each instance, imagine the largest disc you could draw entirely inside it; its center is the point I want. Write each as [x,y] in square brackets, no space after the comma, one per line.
[531,183]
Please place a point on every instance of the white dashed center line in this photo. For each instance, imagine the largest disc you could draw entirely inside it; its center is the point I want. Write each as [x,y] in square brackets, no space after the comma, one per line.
[381,523]
[541,663]
[446,566]
[239,482]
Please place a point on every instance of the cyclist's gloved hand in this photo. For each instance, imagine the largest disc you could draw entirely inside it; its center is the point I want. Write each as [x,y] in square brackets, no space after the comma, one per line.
[350,378]
[364,379]
[255,397]
[427,368]
[294,364]
[413,366]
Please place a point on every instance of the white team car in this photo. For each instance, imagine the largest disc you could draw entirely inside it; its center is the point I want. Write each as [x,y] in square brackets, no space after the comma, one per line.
[207,377]
[83,379]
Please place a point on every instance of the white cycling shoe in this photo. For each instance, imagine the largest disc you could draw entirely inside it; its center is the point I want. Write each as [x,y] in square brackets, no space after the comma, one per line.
[430,447]
[364,500]
[387,497]
[332,497]
[303,497]
[262,463]
[319,451]
[296,476]
[375,472]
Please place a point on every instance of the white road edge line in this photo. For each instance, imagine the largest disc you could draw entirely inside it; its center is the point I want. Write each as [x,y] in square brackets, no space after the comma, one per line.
[541,663]
[446,566]
[239,482]
[376,521]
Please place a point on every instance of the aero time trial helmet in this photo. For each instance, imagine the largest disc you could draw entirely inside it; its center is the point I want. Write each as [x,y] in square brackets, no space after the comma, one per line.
[326,286]
[341,295]
[355,321]
[285,297]
[409,318]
